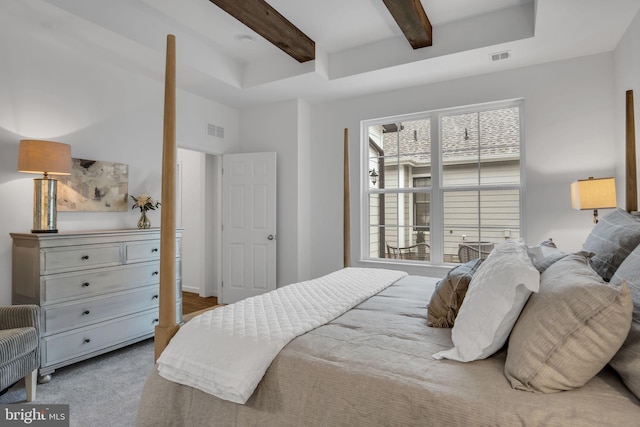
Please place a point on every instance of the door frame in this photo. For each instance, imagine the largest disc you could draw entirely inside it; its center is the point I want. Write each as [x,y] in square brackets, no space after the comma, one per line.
[211,259]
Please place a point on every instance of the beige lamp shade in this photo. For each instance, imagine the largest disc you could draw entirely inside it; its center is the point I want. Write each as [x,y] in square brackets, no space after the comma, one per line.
[46,157]
[593,193]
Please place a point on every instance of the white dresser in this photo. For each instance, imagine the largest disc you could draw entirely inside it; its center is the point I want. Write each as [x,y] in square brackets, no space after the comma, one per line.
[98,290]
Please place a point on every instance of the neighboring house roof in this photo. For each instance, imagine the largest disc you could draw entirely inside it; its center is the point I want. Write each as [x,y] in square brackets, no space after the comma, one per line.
[499,132]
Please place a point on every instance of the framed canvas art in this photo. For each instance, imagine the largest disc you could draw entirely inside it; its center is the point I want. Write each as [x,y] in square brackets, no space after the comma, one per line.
[94,186]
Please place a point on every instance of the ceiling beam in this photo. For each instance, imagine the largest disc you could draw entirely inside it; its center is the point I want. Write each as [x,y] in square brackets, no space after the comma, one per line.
[266,21]
[412,20]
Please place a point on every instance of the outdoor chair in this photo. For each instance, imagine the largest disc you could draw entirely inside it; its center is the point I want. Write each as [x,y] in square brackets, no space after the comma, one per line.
[418,252]
[468,252]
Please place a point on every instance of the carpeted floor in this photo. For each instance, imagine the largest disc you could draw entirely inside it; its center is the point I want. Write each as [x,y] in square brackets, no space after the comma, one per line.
[101,392]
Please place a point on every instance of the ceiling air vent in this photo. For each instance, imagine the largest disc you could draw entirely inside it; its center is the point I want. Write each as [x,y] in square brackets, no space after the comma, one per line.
[213,130]
[499,56]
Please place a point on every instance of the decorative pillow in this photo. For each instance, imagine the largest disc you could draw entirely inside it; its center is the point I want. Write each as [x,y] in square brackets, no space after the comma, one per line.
[612,240]
[449,294]
[497,292]
[544,254]
[568,331]
[627,359]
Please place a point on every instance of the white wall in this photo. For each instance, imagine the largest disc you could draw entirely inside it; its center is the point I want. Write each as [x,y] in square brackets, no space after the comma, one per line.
[304,195]
[193,218]
[570,133]
[280,128]
[106,113]
[627,74]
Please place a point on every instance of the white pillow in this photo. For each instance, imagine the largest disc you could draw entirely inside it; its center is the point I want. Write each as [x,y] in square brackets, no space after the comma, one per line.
[497,293]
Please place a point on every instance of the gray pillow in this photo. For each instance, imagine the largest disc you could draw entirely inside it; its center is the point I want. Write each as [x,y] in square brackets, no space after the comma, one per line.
[449,294]
[544,254]
[627,360]
[612,240]
[569,330]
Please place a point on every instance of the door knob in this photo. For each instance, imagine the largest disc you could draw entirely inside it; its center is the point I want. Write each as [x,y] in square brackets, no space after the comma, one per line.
[272,237]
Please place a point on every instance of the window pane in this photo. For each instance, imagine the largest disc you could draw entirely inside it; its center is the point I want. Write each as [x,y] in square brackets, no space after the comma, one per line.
[397,151]
[460,149]
[481,148]
[500,146]
[374,170]
[389,173]
[414,245]
[421,204]
[390,211]
[479,219]
[499,214]
[461,221]
[393,228]
[376,208]
[376,242]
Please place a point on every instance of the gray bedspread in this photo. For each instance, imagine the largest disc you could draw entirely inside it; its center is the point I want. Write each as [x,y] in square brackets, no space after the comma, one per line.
[372,366]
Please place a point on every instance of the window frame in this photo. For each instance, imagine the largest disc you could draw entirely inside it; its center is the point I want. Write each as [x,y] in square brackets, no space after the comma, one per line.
[437,190]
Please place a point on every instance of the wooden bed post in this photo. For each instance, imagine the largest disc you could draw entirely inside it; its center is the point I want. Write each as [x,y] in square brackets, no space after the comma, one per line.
[632,183]
[167,326]
[346,223]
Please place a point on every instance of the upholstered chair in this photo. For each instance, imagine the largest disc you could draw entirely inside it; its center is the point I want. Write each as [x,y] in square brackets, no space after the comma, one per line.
[20,347]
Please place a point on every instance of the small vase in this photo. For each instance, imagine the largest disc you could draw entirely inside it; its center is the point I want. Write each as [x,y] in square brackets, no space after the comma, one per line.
[144,222]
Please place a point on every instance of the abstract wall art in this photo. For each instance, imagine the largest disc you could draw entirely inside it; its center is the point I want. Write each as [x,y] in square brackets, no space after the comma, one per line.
[94,186]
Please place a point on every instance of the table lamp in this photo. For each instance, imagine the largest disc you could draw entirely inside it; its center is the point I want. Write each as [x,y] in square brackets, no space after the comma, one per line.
[593,193]
[45,157]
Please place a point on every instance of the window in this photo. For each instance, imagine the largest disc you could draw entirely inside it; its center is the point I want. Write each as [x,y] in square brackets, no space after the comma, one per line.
[421,210]
[442,186]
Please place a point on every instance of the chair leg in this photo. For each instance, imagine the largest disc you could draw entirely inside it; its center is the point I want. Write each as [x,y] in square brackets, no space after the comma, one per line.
[30,382]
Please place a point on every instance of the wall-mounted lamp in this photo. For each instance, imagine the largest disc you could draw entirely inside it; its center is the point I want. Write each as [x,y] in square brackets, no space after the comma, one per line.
[593,193]
[373,176]
[45,157]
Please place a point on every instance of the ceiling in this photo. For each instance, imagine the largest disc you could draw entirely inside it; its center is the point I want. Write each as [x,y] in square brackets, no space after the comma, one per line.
[359,47]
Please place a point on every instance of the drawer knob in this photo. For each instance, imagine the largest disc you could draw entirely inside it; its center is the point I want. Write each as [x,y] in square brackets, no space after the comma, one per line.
[154,297]
[155,273]
[154,250]
[86,312]
[155,321]
[85,257]
[86,341]
[85,285]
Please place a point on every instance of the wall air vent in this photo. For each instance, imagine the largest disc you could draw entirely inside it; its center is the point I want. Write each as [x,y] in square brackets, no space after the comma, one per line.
[213,130]
[499,56]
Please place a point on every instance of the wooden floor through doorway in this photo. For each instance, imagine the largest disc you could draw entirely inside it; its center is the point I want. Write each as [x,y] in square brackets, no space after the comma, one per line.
[193,304]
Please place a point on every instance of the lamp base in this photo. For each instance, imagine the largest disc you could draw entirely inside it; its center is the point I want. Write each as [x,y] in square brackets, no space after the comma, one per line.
[44,205]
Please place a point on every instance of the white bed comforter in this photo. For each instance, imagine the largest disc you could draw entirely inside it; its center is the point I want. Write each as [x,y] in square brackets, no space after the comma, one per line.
[225,352]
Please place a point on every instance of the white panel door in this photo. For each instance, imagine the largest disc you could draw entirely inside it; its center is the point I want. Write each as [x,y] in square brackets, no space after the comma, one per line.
[248,225]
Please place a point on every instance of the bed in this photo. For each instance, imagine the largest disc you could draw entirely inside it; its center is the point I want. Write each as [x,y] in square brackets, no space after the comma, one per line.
[374,365]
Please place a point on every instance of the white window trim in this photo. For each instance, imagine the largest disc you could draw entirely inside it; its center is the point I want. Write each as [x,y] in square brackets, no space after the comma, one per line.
[437,191]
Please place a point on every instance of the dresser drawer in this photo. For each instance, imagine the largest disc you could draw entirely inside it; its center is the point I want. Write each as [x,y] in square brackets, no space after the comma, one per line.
[142,251]
[82,341]
[148,250]
[67,286]
[79,257]
[60,317]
